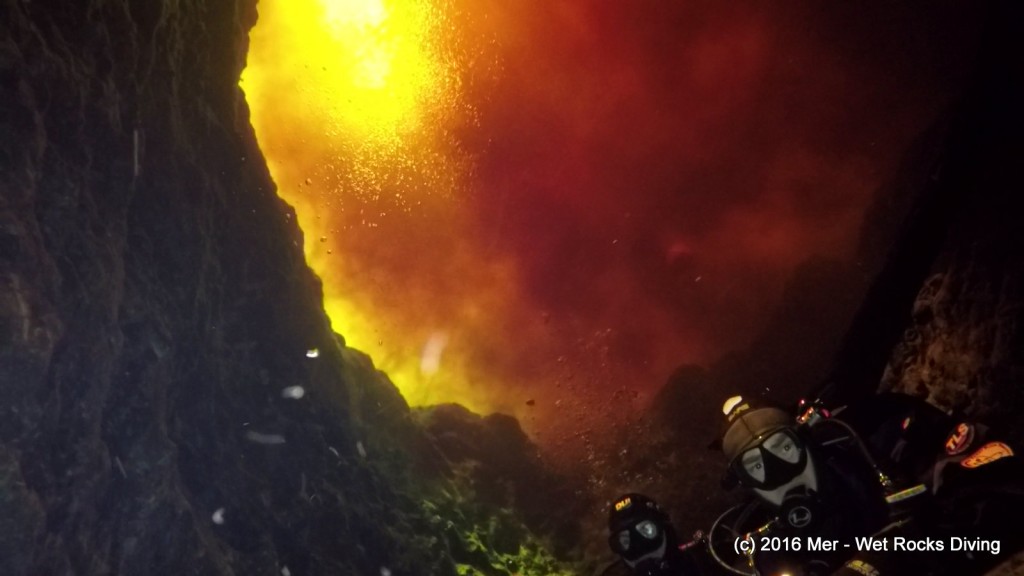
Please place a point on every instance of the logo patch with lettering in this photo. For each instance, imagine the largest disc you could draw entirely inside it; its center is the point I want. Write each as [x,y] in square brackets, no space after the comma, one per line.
[737,410]
[862,567]
[960,439]
[623,504]
[800,517]
[987,454]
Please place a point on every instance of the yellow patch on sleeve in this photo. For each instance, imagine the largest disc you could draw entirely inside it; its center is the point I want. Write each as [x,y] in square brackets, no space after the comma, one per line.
[862,567]
[987,454]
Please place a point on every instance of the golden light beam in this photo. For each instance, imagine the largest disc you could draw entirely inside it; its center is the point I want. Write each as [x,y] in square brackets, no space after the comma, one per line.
[356,104]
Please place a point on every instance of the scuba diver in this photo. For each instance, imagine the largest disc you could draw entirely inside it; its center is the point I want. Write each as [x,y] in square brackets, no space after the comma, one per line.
[806,480]
[642,536]
[891,467]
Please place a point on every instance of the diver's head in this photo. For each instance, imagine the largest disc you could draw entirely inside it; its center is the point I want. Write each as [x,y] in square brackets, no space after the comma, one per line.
[639,531]
[768,455]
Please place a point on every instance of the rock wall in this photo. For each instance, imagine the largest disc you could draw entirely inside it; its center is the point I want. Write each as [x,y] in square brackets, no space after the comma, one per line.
[172,398]
[964,349]
[963,343]
[160,408]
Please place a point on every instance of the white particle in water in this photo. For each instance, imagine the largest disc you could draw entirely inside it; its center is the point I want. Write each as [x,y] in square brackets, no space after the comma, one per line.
[218,516]
[293,392]
[254,436]
[384,571]
[135,153]
[430,359]
[313,353]
[360,449]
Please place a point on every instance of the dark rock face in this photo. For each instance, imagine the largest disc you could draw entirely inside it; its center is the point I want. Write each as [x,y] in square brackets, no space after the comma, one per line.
[963,347]
[492,457]
[501,502]
[156,315]
[172,399]
[962,253]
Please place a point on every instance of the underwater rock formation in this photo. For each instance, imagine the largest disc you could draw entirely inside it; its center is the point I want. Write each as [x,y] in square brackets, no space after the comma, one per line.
[962,344]
[172,399]
[156,302]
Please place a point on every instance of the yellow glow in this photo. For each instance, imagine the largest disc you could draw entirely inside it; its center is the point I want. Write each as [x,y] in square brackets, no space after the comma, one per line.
[355,104]
[377,68]
[360,76]
[397,340]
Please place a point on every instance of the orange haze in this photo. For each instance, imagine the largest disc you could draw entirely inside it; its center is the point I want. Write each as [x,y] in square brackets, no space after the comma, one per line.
[544,209]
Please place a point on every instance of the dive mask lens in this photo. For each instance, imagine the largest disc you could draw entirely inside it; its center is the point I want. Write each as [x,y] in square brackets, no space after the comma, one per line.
[773,461]
[783,446]
[621,543]
[647,529]
[752,467]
